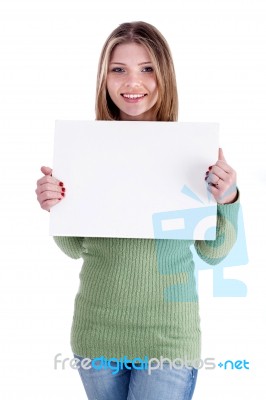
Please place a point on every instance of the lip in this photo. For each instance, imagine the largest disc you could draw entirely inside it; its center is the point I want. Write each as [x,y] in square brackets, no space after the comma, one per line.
[133,97]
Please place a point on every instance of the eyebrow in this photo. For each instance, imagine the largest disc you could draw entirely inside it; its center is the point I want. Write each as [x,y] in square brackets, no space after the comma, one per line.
[142,63]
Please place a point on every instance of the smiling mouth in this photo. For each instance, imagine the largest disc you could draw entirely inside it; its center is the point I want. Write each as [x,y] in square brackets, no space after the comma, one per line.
[134,96]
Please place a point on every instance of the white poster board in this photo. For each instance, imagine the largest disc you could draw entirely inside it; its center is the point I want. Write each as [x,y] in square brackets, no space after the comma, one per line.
[134,179]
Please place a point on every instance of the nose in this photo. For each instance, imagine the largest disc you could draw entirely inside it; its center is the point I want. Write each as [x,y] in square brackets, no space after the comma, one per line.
[133,80]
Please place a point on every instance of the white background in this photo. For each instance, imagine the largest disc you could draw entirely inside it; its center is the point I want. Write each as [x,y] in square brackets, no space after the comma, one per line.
[49,53]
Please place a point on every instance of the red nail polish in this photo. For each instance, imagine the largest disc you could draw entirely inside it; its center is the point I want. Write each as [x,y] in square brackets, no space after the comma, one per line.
[210,167]
[62,194]
[63,189]
[61,184]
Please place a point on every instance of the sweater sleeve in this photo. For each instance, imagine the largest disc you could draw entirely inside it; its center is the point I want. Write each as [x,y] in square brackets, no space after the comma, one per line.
[71,246]
[214,251]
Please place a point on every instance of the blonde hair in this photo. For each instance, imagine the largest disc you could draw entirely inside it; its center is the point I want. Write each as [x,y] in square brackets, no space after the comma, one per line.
[158,48]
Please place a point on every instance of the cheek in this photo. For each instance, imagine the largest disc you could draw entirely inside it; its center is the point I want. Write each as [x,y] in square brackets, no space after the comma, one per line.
[152,84]
[112,89]
[112,84]
[154,90]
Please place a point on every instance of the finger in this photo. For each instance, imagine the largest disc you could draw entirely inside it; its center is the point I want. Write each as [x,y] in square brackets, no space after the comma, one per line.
[219,172]
[48,204]
[50,187]
[224,166]
[216,190]
[221,155]
[212,179]
[46,170]
[217,183]
[50,196]
[49,179]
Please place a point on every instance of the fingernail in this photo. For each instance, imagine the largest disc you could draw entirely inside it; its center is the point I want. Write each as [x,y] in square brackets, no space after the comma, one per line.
[62,194]
[63,189]
[61,184]
[210,167]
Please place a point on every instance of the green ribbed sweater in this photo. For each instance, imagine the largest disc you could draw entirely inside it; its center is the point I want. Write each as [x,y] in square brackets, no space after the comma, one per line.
[121,308]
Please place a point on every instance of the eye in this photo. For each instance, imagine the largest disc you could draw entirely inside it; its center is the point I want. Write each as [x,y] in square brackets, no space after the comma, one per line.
[147,69]
[118,69]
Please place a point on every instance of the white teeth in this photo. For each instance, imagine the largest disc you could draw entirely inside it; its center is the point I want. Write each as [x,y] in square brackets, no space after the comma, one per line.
[133,96]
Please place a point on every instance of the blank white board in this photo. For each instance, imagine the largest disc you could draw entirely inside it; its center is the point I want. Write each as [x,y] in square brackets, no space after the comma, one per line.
[134,179]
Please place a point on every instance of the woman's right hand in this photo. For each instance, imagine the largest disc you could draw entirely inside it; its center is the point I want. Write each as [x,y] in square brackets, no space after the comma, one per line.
[50,190]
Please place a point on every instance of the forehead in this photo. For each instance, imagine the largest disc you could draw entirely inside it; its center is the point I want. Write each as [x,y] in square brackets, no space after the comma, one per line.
[130,52]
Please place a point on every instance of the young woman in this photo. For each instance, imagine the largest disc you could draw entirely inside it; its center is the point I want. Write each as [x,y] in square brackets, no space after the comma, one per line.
[120,310]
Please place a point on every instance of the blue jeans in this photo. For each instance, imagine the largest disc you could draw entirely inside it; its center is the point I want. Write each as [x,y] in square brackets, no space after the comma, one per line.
[137,384]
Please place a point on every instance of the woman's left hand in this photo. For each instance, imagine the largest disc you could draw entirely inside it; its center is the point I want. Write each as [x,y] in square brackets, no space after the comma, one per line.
[221,179]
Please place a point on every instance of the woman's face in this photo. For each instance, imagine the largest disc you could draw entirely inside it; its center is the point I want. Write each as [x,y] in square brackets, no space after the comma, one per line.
[131,82]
